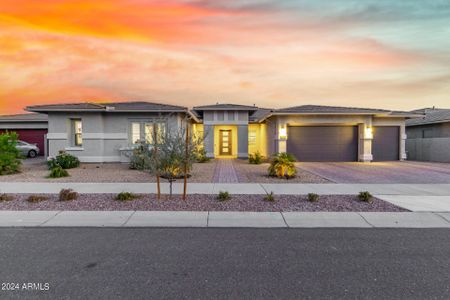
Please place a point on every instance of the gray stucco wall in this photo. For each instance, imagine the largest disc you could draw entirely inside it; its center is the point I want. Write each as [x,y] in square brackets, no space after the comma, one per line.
[429,149]
[429,131]
[243,141]
[106,136]
[208,131]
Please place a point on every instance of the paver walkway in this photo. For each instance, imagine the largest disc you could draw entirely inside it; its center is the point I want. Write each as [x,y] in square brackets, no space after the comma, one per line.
[224,171]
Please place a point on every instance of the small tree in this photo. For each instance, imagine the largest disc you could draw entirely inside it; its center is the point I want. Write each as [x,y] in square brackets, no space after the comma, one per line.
[171,155]
[9,154]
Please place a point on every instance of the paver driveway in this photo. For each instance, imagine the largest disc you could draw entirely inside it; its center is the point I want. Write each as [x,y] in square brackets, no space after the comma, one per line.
[380,172]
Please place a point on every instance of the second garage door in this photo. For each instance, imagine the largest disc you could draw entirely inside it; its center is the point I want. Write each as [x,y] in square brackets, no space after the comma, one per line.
[323,143]
[385,144]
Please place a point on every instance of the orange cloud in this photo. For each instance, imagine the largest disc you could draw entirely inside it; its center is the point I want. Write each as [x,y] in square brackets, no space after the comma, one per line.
[133,20]
[185,53]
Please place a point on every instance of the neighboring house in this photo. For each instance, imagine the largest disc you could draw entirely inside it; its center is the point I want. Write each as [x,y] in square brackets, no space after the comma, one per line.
[429,136]
[31,128]
[105,132]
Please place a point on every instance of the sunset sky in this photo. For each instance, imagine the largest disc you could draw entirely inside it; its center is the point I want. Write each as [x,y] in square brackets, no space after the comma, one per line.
[369,53]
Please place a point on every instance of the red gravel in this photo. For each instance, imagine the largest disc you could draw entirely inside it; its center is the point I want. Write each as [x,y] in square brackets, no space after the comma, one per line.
[198,202]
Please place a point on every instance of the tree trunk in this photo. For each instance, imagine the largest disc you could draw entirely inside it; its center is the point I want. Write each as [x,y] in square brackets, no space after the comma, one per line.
[158,186]
[186,162]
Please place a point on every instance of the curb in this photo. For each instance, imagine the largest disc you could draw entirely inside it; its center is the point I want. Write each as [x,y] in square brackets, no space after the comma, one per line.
[218,219]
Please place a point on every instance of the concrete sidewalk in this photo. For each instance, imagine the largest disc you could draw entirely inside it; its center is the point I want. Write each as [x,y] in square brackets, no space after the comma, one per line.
[234,188]
[223,219]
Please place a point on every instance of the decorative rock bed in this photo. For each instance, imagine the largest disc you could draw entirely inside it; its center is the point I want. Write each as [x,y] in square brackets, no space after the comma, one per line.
[197,202]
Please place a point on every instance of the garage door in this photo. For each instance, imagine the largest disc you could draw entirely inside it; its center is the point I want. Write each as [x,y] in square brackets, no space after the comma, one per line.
[323,143]
[385,144]
[32,136]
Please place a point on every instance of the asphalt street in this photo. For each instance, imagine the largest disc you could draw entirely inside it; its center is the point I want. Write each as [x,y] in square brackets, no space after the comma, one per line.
[183,263]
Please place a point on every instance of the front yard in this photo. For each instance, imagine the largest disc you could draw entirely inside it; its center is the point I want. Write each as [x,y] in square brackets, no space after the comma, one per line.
[197,202]
[249,173]
[35,170]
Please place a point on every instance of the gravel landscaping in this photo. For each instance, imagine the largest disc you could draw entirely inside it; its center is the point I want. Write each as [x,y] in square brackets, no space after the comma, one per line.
[107,172]
[258,174]
[196,202]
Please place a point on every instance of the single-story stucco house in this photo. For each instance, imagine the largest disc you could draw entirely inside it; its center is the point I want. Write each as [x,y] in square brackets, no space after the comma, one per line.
[31,128]
[429,136]
[104,132]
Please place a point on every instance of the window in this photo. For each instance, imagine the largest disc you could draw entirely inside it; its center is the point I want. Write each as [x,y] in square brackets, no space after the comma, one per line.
[77,127]
[252,138]
[144,131]
[135,132]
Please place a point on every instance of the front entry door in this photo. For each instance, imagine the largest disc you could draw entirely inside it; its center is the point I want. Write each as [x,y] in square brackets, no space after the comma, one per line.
[225,142]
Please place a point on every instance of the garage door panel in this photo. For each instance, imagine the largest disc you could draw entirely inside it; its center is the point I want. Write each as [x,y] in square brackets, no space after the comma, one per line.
[385,144]
[323,143]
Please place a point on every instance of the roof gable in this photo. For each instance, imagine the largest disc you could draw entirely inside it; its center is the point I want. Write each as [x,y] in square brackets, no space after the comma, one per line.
[225,106]
[438,116]
[321,109]
[110,107]
[30,117]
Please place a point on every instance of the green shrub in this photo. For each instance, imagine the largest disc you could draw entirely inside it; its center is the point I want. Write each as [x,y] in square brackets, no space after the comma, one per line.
[255,158]
[282,166]
[139,157]
[312,197]
[64,160]
[365,196]
[67,195]
[58,172]
[223,196]
[201,156]
[126,196]
[6,197]
[36,198]
[270,197]
[9,155]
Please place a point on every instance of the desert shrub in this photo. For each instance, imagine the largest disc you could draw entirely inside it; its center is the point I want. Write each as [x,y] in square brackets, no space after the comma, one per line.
[139,157]
[365,196]
[64,160]
[270,197]
[36,198]
[223,196]
[312,197]
[9,155]
[256,158]
[58,172]
[67,195]
[6,197]
[282,166]
[201,156]
[126,196]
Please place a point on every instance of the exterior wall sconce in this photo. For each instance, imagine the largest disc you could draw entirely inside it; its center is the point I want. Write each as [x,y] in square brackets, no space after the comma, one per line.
[282,134]
[368,134]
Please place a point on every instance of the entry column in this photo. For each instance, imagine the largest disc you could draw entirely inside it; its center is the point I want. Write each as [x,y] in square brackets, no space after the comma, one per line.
[365,142]
[208,131]
[242,141]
